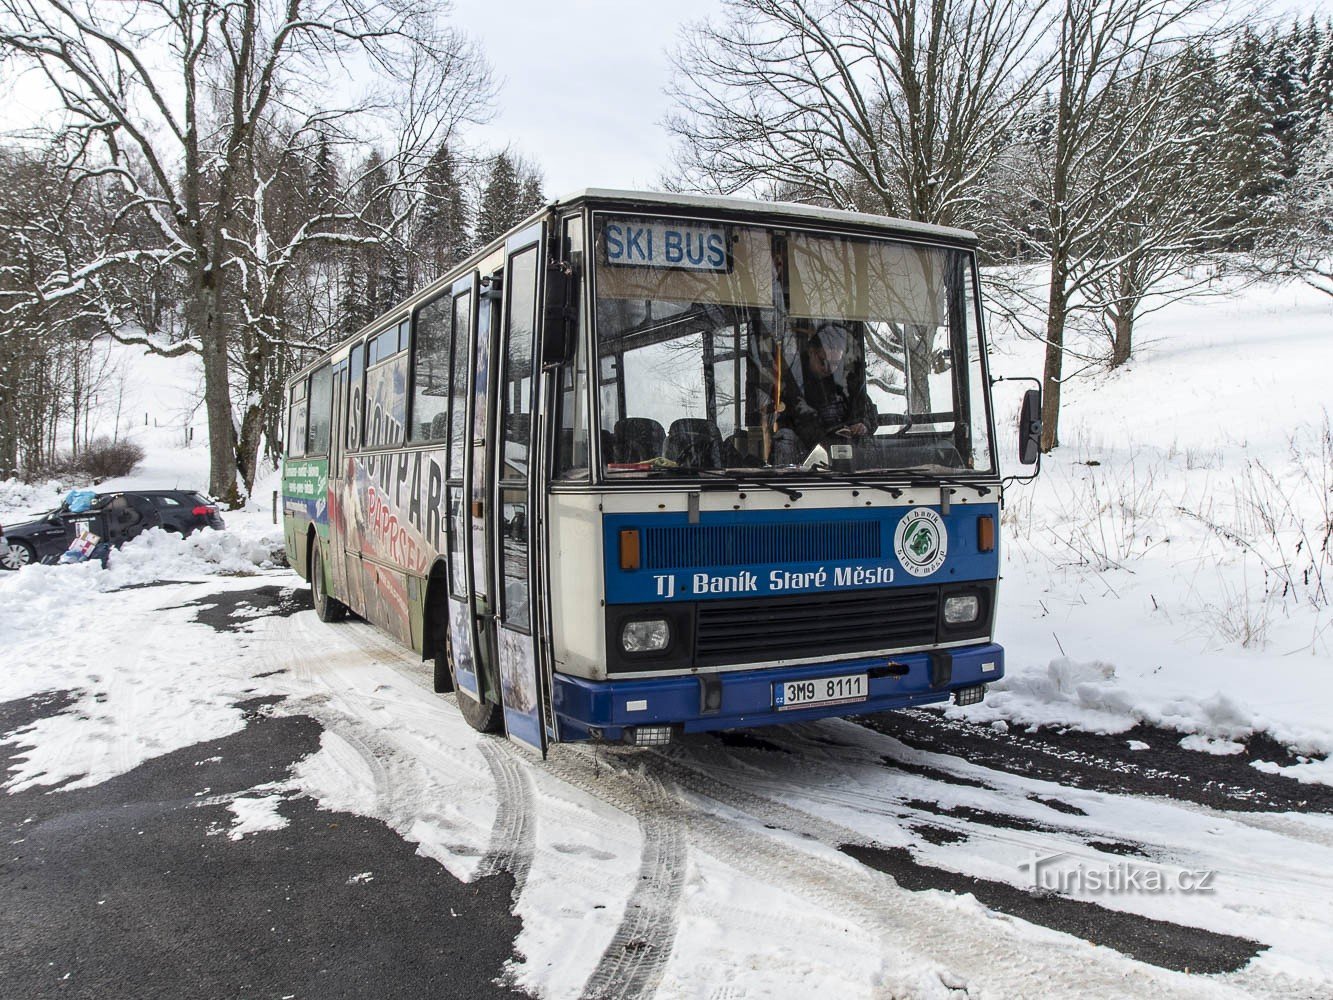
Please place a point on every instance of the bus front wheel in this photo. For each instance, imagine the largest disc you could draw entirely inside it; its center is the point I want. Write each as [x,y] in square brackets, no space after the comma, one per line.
[328,608]
[480,715]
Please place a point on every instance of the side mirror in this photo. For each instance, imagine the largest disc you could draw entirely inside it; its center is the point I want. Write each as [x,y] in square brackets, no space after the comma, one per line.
[1029,427]
[560,315]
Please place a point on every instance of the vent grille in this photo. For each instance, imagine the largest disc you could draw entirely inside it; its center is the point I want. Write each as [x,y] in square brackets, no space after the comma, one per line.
[756,544]
[784,628]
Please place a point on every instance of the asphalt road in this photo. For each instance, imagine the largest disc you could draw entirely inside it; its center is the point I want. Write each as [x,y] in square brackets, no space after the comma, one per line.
[119,890]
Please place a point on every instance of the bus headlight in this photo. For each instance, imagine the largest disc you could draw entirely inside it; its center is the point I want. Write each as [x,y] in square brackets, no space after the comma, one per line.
[961,609]
[645,636]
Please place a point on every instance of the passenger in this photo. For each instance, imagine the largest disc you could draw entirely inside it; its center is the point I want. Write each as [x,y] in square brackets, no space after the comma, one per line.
[833,401]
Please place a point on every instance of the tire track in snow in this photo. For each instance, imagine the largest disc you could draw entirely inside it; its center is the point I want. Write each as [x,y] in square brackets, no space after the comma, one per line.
[900,914]
[513,839]
[635,959]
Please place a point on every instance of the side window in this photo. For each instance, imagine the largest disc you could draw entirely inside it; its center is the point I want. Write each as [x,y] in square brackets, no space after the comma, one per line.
[386,391]
[430,380]
[516,389]
[296,420]
[572,458]
[462,326]
[162,500]
[356,396]
[321,411]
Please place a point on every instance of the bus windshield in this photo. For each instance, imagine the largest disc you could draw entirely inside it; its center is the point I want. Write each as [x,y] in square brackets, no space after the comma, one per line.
[726,346]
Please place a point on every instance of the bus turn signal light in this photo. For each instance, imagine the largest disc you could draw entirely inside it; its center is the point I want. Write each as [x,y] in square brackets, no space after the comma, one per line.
[629,548]
[985,533]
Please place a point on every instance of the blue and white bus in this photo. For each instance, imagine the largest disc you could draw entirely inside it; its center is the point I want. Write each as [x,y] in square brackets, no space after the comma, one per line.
[656,464]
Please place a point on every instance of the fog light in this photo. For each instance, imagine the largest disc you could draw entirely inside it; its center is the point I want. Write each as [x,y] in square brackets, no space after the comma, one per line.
[648,736]
[969,696]
[646,636]
[961,609]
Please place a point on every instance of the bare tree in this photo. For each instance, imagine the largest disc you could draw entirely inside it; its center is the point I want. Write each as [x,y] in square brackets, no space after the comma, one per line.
[890,106]
[174,99]
[1104,158]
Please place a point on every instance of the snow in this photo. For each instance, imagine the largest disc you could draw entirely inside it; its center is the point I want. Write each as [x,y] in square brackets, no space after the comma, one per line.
[1167,566]
[1127,599]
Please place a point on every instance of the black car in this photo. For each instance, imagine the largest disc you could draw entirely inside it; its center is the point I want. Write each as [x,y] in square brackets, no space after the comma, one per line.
[114,517]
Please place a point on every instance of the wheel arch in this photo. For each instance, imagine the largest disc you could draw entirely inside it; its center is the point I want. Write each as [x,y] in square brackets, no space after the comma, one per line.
[435,609]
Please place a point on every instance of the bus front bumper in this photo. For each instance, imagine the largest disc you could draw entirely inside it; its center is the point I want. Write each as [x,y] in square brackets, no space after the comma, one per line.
[612,710]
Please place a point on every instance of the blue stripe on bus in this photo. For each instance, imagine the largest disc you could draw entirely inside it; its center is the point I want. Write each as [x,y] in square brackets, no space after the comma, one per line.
[747,695]
[731,554]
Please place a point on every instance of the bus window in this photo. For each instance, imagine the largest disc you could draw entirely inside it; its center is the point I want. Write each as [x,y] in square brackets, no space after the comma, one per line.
[386,393]
[404,334]
[296,420]
[516,409]
[356,396]
[430,391]
[572,459]
[321,411]
[458,406]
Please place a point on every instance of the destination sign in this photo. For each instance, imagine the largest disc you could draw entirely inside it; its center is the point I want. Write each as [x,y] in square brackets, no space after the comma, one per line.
[668,244]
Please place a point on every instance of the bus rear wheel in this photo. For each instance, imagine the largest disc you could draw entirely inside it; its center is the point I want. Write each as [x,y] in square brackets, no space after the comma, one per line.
[329,609]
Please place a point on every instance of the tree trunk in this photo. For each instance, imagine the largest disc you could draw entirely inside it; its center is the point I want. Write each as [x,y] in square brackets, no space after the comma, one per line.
[1056,306]
[1123,345]
[211,327]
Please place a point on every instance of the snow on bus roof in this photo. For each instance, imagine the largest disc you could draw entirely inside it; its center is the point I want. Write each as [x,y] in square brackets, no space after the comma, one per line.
[790,208]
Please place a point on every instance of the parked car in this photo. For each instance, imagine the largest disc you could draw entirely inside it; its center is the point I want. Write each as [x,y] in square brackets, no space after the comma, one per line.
[114,517]
[5,551]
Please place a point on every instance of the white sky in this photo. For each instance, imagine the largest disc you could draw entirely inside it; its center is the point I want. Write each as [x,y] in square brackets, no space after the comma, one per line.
[581,84]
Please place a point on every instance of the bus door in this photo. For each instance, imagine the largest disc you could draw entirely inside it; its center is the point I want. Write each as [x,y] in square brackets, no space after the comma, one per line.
[511,506]
[334,495]
[469,378]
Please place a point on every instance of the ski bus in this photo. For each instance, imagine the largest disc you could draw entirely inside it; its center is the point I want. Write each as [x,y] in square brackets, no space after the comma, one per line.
[657,464]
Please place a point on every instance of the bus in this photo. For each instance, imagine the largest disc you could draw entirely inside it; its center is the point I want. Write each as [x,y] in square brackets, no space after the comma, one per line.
[654,464]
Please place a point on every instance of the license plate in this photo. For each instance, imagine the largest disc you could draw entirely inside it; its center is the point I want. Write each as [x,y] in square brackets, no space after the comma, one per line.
[820,691]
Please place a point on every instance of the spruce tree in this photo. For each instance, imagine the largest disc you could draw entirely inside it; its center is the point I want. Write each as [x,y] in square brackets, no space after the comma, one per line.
[441,237]
[500,206]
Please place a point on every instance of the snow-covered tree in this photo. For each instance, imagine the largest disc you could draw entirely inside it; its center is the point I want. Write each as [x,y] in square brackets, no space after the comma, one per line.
[889,106]
[173,102]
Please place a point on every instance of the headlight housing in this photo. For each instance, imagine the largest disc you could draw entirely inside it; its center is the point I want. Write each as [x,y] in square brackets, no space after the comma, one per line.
[647,636]
[961,609]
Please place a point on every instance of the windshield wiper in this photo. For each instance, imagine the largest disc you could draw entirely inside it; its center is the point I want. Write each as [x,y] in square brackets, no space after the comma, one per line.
[723,478]
[736,480]
[824,467]
[936,479]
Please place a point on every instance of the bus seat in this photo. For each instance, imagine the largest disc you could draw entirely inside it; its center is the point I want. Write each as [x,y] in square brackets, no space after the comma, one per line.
[638,439]
[693,441]
[439,427]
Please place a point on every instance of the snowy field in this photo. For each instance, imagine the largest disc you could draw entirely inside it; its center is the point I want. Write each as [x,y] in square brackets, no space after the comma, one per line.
[1166,620]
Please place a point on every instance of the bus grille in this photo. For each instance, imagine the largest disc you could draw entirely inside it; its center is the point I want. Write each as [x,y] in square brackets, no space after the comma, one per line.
[785,628]
[758,544]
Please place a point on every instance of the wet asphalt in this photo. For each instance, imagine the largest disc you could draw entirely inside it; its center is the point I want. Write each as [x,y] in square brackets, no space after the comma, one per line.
[121,890]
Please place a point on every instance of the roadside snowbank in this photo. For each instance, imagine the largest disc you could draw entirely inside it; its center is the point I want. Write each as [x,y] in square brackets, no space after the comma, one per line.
[35,596]
[1091,697]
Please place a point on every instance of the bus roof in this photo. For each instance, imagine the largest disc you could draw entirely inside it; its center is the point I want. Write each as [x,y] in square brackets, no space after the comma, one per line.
[760,211]
[747,206]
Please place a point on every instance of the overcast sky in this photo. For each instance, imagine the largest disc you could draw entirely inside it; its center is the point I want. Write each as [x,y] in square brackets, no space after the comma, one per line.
[582,83]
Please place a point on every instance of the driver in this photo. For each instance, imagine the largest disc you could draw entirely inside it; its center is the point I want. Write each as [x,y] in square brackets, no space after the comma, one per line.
[834,403]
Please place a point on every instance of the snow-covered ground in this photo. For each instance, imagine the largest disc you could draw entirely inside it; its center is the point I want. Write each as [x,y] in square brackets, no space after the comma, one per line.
[1172,563]
[1166,568]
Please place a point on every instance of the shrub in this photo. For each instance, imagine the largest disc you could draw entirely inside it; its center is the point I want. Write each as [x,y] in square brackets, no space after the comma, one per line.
[103,459]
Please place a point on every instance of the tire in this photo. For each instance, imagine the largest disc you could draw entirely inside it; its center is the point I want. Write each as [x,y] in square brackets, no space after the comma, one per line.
[20,554]
[328,609]
[480,715]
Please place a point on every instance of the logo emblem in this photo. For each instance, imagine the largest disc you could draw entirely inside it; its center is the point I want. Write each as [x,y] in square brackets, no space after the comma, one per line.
[920,541]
